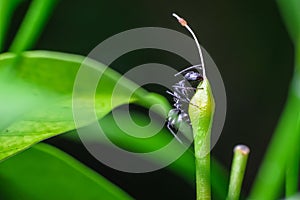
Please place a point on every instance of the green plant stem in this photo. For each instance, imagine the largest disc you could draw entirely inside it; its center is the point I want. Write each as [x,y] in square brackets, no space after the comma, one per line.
[284,141]
[203,169]
[5,13]
[33,24]
[292,176]
[201,111]
[238,167]
[286,137]
[6,10]
[291,15]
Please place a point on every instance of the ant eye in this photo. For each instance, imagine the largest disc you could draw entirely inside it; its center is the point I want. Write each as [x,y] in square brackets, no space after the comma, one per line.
[200,78]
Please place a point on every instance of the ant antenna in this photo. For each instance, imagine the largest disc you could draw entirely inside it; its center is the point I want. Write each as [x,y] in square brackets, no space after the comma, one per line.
[191,67]
[184,23]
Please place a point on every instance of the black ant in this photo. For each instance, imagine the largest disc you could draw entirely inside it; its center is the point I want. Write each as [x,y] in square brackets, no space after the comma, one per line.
[185,89]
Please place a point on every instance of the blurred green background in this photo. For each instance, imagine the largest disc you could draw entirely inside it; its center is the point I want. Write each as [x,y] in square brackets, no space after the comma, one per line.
[246,39]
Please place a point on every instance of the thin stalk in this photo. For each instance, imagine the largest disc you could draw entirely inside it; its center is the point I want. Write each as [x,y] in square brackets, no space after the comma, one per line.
[5,13]
[201,111]
[6,10]
[33,24]
[287,135]
[285,140]
[292,174]
[291,15]
[238,167]
[203,189]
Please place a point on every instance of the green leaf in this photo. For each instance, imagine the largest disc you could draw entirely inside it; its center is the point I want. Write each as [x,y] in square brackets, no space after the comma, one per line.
[44,172]
[36,97]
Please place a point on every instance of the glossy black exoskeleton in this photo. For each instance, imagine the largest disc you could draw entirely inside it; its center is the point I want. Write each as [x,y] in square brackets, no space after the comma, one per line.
[183,91]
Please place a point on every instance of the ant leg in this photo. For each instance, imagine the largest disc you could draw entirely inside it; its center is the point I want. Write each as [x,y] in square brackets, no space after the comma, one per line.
[170,93]
[195,105]
[186,100]
[190,88]
[178,97]
[173,133]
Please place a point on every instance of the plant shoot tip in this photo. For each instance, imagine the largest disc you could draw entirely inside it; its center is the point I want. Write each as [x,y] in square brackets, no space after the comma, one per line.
[242,149]
[180,20]
[185,24]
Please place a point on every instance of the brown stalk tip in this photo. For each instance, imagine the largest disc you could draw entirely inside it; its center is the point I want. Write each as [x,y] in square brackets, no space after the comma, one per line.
[242,149]
[180,20]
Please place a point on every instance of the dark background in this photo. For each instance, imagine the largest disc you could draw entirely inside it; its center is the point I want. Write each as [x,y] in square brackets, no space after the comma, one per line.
[246,39]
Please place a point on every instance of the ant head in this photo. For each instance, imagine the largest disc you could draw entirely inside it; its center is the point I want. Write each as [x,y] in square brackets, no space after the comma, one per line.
[193,76]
